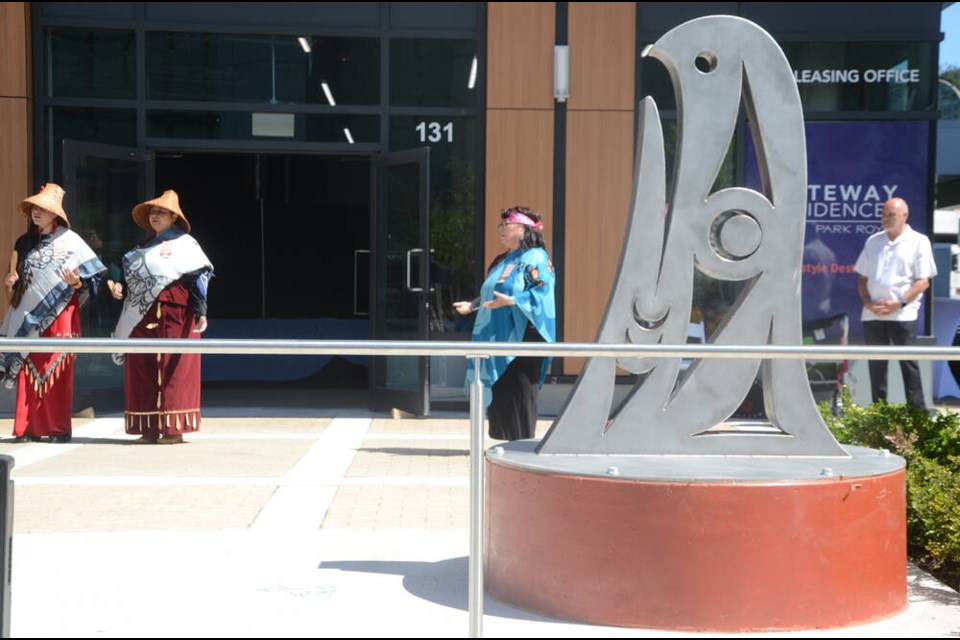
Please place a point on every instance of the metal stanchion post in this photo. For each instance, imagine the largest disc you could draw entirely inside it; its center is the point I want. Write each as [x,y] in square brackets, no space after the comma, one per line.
[6,542]
[476,501]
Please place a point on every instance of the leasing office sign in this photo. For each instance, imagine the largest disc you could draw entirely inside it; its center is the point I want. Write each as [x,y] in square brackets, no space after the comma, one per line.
[864,76]
[856,76]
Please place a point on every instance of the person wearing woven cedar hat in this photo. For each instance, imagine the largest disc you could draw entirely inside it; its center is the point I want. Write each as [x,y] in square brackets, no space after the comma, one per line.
[516,303]
[52,274]
[164,293]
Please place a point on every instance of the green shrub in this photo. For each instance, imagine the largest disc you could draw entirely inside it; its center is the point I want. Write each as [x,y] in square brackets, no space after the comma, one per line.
[933,517]
[931,446]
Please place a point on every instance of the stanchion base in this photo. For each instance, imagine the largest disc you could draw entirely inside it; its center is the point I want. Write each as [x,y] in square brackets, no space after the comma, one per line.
[700,544]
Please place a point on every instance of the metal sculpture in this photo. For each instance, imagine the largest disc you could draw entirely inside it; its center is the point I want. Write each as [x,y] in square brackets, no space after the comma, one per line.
[735,234]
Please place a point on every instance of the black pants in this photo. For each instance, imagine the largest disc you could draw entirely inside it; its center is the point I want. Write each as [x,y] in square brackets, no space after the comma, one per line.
[513,411]
[887,332]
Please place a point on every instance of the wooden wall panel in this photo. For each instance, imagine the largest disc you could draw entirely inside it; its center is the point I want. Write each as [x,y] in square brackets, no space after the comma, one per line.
[599,183]
[14,50]
[599,161]
[602,55]
[519,169]
[14,177]
[520,39]
[16,153]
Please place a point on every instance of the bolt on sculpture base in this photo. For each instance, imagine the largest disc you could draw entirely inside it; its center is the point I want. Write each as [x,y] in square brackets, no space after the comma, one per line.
[656,512]
[697,544]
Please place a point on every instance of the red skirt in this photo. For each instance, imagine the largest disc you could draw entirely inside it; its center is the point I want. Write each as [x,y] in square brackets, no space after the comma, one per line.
[162,390]
[45,384]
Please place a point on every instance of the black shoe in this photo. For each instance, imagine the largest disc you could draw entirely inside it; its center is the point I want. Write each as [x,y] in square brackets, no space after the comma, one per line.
[60,439]
[27,439]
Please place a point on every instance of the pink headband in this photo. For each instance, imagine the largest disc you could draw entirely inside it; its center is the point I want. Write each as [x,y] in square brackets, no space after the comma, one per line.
[519,218]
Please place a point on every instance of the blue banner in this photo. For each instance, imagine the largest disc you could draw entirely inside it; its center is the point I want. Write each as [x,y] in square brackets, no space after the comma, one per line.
[852,169]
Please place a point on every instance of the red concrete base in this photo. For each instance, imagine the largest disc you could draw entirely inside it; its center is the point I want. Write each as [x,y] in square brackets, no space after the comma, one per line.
[703,556]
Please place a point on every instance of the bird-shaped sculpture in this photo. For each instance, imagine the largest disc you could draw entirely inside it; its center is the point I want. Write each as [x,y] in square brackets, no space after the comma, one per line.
[716,63]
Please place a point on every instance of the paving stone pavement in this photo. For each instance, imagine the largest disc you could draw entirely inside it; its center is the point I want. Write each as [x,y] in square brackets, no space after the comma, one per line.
[310,522]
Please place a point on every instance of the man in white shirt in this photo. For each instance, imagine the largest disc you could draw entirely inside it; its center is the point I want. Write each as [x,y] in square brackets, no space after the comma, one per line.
[894,269]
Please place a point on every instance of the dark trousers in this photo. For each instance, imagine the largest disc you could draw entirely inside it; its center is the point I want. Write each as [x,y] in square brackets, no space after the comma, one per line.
[887,332]
[512,413]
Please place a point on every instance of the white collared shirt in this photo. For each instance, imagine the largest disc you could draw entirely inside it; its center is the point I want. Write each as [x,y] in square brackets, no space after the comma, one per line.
[892,266]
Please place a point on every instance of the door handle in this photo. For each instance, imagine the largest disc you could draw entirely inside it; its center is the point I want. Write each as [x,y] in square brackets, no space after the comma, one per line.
[410,252]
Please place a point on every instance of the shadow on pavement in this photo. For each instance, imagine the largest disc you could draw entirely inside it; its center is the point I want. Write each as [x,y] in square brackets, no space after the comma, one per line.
[444,582]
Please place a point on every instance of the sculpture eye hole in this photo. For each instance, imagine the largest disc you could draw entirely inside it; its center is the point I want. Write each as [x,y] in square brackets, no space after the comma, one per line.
[705,62]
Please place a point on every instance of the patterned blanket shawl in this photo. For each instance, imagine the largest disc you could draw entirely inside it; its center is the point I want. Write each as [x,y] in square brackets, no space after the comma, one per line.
[45,293]
[149,269]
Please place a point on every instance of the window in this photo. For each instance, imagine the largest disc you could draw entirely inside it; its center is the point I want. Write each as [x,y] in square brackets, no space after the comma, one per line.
[88,63]
[263,68]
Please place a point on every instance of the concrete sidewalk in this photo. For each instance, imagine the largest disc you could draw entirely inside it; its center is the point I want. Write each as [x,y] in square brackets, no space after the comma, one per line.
[303,523]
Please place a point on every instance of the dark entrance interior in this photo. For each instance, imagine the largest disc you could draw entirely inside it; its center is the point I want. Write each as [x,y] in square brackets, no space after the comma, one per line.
[287,235]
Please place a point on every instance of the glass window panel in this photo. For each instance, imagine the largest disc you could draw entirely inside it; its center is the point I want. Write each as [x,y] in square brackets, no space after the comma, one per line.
[88,63]
[432,72]
[864,76]
[655,82]
[87,10]
[330,15]
[453,203]
[949,100]
[106,190]
[350,67]
[433,15]
[208,125]
[258,68]
[726,175]
[238,125]
[342,128]
[399,189]
[106,126]
[197,66]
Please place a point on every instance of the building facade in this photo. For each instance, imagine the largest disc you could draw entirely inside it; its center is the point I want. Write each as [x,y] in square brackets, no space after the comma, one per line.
[323,150]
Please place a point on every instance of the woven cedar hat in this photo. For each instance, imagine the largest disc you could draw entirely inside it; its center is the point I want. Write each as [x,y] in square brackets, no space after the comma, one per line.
[169,201]
[50,198]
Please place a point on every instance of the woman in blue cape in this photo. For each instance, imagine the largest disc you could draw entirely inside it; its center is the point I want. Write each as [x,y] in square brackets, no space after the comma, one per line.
[516,304]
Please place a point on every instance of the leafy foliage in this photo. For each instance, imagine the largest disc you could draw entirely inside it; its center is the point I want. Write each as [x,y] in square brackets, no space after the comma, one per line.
[949,93]
[951,74]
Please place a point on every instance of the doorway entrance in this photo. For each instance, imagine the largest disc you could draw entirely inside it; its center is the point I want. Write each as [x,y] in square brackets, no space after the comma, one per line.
[289,236]
[283,231]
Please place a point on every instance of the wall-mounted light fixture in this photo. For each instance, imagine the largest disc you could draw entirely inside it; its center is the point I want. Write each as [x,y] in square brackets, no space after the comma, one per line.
[304,44]
[561,72]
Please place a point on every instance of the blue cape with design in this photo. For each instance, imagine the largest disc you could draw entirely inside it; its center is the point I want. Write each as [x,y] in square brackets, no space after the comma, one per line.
[528,277]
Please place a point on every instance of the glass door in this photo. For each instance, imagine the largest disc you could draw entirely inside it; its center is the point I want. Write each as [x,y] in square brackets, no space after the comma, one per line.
[400,286]
[103,183]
